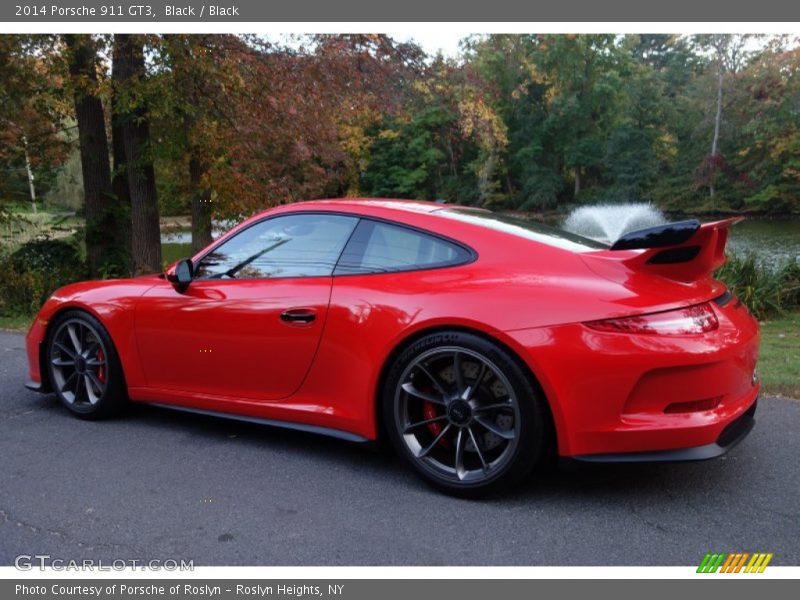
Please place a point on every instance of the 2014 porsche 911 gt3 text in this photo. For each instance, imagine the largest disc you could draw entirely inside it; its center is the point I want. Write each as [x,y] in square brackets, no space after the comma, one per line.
[477,344]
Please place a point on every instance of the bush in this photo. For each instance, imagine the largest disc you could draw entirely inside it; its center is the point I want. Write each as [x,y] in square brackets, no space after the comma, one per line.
[764,289]
[34,271]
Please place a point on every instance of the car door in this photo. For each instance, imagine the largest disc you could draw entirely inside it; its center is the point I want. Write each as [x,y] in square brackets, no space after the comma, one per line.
[249,324]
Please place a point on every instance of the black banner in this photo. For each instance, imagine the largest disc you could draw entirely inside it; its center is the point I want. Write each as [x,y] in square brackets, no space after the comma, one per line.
[250,11]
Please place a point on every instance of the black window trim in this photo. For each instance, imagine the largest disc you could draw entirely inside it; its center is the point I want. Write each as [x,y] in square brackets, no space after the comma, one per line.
[472,254]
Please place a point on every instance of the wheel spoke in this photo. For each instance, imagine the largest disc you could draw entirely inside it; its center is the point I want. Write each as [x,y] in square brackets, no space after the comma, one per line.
[460,470]
[459,373]
[496,406]
[74,338]
[432,445]
[67,381]
[507,434]
[90,395]
[425,422]
[95,382]
[60,362]
[91,349]
[94,362]
[478,449]
[65,350]
[433,379]
[481,375]
[413,391]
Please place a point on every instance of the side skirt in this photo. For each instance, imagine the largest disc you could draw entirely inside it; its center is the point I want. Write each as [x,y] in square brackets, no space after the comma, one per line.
[337,433]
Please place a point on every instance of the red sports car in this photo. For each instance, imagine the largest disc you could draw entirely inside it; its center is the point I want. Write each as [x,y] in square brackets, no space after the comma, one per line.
[476,343]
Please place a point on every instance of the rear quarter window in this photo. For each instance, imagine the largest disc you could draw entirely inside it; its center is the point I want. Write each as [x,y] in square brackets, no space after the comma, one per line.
[378,247]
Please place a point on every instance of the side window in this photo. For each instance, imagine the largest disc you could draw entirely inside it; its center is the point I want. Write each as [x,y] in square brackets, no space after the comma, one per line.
[299,245]
[377,247]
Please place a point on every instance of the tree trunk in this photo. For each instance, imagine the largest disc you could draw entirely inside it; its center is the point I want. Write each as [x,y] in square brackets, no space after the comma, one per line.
[187,77]
[577,182]
[201,205]
[94,153]
[485,174]
[135,125]
[119,176]
[29,171]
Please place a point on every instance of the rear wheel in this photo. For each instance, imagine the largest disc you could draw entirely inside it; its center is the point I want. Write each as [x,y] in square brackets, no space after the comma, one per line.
[461,410]
[84,369]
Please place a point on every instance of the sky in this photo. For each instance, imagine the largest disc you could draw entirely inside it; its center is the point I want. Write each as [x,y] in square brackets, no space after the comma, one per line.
[432,41]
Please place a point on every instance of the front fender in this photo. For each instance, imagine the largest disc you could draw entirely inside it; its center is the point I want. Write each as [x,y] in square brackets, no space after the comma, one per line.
[112,302]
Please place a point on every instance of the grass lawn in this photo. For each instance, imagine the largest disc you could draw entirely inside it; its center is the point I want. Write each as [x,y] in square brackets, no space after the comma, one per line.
[15,322]
[171,252]
[27,226]
[779,362]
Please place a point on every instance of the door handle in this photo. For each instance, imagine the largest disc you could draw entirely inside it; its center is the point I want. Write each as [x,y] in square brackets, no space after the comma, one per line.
[298,315]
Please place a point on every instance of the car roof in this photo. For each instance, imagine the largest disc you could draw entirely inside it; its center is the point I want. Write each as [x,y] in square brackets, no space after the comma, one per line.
[416,206]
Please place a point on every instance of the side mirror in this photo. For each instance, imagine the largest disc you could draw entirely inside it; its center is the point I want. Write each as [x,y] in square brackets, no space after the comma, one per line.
[180,274]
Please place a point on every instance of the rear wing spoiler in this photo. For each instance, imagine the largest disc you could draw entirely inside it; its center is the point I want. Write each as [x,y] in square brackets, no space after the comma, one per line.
[684,250]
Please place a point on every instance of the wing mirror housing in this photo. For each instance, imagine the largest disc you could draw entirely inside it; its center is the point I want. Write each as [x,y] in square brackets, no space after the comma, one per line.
[180,274]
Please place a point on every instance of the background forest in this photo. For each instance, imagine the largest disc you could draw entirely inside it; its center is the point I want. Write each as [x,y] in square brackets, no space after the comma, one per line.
[109,145]
[224,125]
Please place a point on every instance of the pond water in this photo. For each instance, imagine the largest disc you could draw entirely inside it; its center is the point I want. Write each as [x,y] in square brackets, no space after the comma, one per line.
[770,239]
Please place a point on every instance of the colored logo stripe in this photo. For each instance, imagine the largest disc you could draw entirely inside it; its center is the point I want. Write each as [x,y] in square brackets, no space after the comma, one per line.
[758,563]
[734,562]
[710,563]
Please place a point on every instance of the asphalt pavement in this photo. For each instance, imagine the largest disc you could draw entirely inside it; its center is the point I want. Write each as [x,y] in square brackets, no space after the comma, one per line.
[167,485]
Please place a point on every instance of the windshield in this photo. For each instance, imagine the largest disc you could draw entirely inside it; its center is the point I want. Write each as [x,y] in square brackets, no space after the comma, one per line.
[524,228]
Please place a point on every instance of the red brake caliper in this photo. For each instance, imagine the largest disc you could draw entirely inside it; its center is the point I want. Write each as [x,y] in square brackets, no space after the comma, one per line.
[429,412]
[101,371]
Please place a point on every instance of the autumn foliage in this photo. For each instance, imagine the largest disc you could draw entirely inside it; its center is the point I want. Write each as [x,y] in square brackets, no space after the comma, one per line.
[532,122]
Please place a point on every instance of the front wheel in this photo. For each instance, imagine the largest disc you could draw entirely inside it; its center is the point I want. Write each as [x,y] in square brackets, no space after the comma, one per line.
[463,412]
[84,369]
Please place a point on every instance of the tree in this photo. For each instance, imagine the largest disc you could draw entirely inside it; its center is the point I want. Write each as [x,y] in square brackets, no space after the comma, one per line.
[729,56]
[133,119]
[119,175]
[32,144]
[105,239]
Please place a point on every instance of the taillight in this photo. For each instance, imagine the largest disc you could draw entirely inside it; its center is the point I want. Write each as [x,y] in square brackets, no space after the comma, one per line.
[683,321]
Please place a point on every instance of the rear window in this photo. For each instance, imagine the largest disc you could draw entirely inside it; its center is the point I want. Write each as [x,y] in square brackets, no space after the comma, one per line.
[524,228]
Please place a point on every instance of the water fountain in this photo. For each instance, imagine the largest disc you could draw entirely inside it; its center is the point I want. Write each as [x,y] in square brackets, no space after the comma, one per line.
[607,222]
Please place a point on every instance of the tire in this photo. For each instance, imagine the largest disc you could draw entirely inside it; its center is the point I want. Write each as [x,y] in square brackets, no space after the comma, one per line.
[464,413]
[83,366]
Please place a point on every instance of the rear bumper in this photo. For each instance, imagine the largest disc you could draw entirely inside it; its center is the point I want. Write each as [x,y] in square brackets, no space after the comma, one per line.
[622,396]
[734,433]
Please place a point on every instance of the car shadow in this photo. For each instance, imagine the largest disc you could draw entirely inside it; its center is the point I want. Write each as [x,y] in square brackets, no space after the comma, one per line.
[568,480]
[259,435]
